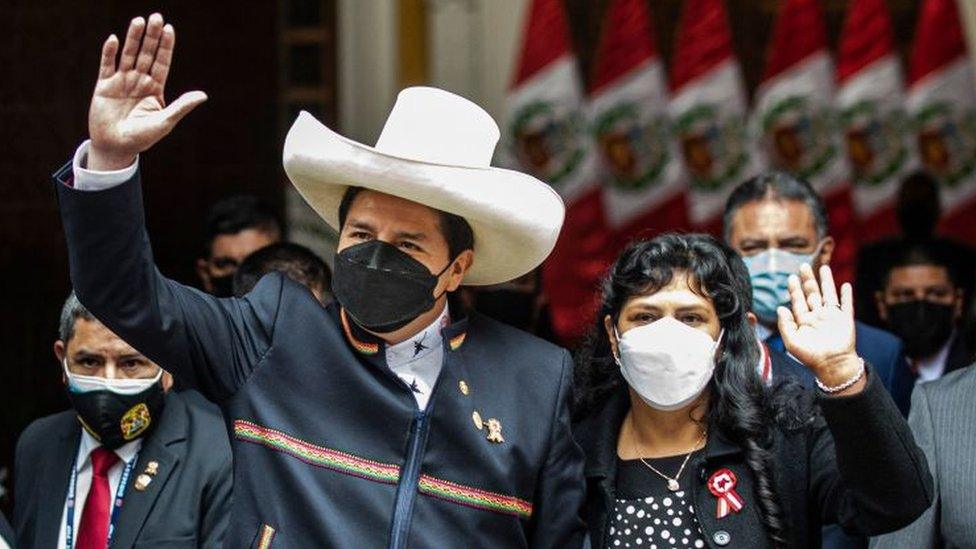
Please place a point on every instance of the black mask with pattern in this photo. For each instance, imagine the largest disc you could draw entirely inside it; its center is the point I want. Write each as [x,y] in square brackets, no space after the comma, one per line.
[115,419]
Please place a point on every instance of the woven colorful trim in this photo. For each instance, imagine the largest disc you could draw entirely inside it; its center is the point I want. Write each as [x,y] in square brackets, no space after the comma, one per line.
[457,341]
[380,472]
[472,497]
[267,534]
[361,346]
[317,455]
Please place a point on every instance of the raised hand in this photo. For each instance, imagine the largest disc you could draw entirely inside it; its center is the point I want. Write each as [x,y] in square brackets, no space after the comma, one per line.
[128,112]
[819,330]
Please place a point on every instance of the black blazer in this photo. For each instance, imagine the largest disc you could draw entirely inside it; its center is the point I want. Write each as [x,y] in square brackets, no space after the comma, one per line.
[187,504]
[330,449]
[856,464]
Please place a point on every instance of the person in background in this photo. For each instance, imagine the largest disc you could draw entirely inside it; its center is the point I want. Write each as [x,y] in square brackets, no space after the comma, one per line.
[295,261]
[943,420]
[777,223]
[774,365]
[918,209]
[235,228]
[520,303]
[686,448]
[132,464]
[921,301]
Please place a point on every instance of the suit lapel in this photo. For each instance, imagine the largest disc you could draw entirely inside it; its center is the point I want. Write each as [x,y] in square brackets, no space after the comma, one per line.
[161,453]
[53,484]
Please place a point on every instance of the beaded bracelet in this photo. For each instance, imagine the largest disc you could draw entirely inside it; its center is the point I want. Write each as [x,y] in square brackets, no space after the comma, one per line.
[847,384]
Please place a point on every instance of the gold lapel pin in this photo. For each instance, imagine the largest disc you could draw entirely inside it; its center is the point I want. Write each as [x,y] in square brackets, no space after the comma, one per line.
[142,482]
[476,418]
[463,386]
[152,467]
[495,431]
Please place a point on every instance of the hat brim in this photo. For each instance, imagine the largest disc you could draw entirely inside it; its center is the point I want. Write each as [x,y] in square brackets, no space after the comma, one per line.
[515,218]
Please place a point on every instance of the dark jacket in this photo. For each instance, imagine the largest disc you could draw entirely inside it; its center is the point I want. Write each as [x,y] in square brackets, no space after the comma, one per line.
[857,464]
[785,367]
[885,352]
[187,504]
[330,448]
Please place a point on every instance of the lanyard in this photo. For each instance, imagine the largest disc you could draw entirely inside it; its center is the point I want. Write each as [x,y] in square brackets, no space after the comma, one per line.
[69,527]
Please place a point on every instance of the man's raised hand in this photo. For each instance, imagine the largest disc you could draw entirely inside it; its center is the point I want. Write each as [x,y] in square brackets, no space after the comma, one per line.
[128,112]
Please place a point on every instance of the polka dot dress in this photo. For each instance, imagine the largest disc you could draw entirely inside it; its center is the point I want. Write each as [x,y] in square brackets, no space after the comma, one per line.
[649,516]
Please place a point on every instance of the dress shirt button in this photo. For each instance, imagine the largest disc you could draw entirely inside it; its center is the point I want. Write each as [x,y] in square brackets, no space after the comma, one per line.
[722,538]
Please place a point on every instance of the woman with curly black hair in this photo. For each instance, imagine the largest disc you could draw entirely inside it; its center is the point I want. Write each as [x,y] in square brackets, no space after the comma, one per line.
[684,445]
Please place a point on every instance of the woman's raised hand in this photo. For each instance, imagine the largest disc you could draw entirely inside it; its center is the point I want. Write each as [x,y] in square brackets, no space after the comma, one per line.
[818,328]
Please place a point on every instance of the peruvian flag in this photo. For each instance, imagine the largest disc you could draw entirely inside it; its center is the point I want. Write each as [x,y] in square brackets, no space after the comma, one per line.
[794,120]
[643,176]
[942,104]
[871,99]
[546,134]
[708,111]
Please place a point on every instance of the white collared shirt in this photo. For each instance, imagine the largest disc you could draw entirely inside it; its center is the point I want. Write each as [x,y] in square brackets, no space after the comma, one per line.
[933,367]
[90,180]
[83,465]
[418,360]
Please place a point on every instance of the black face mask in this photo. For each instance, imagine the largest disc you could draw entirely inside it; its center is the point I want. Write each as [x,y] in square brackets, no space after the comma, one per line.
[383,288]
[222,286]
[923,326]
[115,419]
[512,307]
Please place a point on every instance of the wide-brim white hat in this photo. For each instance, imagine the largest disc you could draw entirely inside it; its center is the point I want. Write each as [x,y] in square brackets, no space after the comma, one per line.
[436,150]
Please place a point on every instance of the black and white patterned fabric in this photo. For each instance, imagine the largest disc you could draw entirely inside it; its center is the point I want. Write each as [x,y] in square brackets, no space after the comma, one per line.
[649,516]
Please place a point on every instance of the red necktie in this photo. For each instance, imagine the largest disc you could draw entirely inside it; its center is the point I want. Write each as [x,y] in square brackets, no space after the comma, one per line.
[93,531]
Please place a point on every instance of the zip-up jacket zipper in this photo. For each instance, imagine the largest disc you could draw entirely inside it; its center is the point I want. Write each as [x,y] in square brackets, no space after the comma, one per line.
[409,477]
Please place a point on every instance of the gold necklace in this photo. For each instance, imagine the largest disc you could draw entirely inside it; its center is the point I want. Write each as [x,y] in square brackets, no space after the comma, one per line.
[672,482]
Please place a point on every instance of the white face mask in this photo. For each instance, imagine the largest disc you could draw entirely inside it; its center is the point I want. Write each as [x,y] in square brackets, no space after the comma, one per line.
[667,362]
[82,384]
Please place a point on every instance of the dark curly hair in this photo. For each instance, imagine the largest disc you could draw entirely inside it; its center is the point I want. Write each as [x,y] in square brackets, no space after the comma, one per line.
[739,405]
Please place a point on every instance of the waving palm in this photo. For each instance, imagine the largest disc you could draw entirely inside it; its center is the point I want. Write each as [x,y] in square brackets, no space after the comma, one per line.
[819,330]
[128,112]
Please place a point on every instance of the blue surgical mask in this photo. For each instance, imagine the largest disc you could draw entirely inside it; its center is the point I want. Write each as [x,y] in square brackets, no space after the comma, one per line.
[769,272]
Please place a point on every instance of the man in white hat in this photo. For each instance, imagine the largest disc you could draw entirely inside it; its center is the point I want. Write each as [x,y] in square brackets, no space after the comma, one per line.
[391,418]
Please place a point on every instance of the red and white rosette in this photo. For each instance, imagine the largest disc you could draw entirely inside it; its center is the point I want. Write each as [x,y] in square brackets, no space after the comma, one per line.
[722,486]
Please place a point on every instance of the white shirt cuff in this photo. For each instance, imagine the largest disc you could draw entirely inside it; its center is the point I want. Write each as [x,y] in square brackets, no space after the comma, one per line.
[91,180]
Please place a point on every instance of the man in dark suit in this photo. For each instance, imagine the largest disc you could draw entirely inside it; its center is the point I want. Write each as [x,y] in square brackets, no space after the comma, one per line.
[390,418]
[921,301]
[774,365]
[133,464]
[918,208]
[777,223]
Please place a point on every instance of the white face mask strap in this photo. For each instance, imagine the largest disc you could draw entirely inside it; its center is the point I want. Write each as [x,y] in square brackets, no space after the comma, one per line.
[616,353]
[718,344]
[107,383]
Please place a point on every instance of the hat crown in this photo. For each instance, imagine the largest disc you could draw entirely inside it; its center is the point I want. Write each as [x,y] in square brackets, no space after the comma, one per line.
[436,126]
